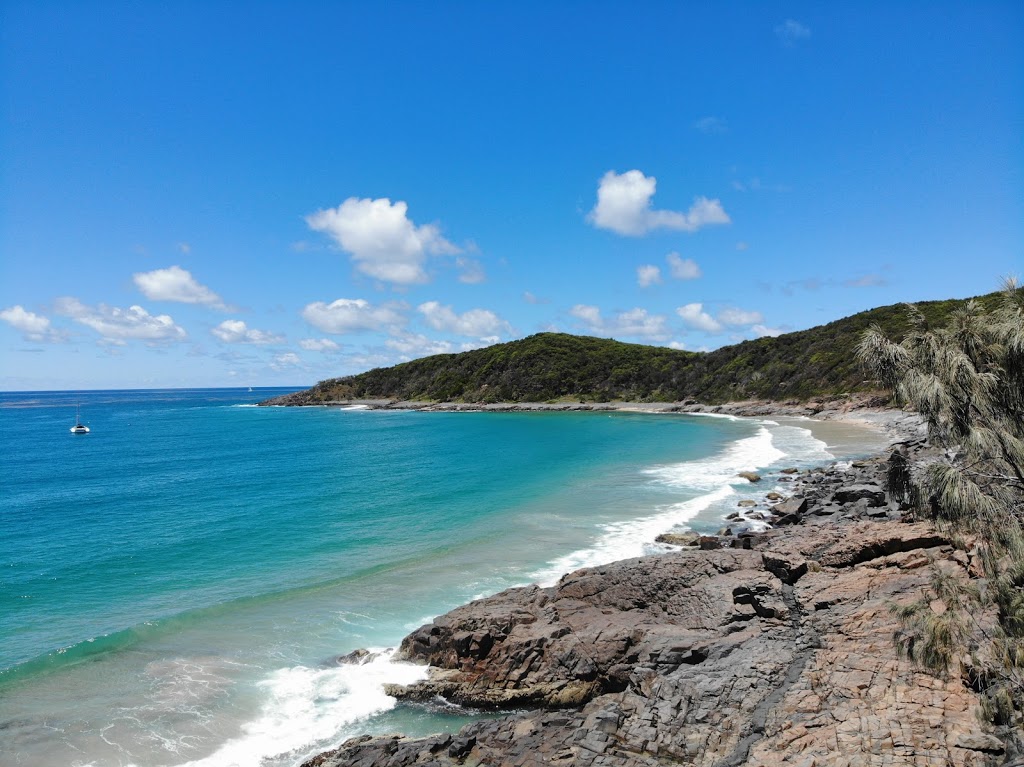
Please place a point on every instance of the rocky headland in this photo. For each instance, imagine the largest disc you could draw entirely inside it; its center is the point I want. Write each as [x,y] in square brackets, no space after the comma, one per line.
[746,648]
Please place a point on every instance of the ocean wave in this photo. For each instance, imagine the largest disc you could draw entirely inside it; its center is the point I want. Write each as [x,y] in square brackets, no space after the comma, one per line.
[632,538]
[716,471]
[307,709]
[724,416]
[714,478]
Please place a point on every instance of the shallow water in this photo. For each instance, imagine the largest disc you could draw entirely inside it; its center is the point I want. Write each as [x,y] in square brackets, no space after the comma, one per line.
[175,586]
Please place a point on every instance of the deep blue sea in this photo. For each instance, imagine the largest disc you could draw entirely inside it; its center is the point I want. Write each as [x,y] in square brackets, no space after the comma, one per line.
[176,584]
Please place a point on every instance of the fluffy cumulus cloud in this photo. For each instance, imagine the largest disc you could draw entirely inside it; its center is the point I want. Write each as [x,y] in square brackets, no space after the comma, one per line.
[735,317]
[119,326]
[383,242]
[590,315]
[624,206]
[648,275]
[761,331]
[285,361]
[319,345]
[176,284]
[351,315]
[475,323]
[237,332]
[636,323]
[32,326]
[682,268]
[411,346]
[694,316]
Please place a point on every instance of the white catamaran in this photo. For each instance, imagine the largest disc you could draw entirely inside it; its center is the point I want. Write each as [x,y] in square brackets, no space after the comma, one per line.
[78,428]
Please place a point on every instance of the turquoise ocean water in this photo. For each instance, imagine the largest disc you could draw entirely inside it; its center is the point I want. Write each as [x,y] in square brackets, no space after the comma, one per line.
[175,585]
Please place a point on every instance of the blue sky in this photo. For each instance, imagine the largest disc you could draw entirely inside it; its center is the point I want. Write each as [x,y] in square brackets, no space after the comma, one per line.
[219,194]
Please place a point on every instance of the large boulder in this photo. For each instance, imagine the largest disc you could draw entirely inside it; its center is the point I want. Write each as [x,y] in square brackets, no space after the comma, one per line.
[873,494]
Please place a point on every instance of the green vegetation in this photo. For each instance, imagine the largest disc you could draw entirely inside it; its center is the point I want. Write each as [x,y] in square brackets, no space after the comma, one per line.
[555,366]
[967,381]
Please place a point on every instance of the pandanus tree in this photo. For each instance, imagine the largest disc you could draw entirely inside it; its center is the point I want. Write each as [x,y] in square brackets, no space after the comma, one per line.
[966,380]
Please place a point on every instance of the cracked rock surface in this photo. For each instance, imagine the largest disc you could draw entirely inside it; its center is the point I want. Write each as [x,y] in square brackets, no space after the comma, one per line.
[780,654]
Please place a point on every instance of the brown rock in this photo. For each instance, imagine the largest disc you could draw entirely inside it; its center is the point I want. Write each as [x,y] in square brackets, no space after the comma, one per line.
[780,655]
[679,539]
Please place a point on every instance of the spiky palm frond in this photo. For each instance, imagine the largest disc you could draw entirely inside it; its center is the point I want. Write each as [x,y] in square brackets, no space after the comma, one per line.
[967,382]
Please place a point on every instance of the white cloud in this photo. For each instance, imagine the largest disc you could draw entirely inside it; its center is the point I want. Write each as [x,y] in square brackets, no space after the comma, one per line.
[185,248]
[761,331]
[475,323]
[739,317]
[348,315]
[471,271]
[176,284]
[790,32]
[412,346]
[530,298]
[589,314]
[236,332]
[33,327]
[633,322]
[682,268]
[742,245]
[648,275]
[285,361]
[677,345]
[695,317]
[624,206]
[711,125]
[384,243]
[637,322]
[319,345]
[118,325]
[467,346]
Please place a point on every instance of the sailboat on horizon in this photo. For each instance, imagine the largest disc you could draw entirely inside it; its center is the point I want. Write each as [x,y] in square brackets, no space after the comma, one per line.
[79,428]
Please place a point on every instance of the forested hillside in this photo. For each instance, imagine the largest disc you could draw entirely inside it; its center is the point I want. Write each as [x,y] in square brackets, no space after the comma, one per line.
[548,366]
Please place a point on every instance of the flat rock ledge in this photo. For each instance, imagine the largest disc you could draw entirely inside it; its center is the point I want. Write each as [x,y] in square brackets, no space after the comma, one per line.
[780,654]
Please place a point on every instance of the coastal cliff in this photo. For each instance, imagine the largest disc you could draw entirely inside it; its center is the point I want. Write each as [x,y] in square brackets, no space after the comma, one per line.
[753,649]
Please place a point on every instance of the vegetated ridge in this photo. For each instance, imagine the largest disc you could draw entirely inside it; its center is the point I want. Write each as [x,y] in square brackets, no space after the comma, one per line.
[809,363]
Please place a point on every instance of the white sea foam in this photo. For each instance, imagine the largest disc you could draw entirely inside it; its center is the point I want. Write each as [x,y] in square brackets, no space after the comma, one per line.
[726,416]
[307,709]
[714,478]
[354,407]
[714,472]
[632,538]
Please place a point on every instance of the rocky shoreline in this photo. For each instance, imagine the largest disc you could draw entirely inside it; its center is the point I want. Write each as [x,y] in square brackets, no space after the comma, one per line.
[745,648]
[866,409]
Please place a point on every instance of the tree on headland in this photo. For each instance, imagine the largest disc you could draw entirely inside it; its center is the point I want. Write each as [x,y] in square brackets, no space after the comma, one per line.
[966,380]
